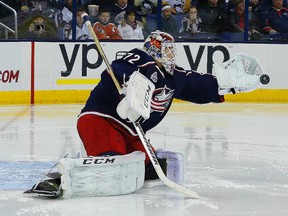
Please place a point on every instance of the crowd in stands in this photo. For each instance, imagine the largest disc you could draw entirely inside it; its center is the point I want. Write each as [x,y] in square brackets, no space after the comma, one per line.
[135,19]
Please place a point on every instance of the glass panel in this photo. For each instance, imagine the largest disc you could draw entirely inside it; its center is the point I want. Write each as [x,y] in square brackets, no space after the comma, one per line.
[186,20]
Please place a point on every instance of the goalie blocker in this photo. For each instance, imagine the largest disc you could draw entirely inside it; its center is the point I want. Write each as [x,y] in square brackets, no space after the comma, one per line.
[137,101]
[107,175]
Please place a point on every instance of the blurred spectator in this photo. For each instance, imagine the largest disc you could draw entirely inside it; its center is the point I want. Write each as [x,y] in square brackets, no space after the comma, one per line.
[192,23]
[178,6]
[144,7]
[237,20]
[130,28]
[263,5]
[253,5]
[65,14]
[82,31]
[237,16]
[63,19]
[40,5]
[38,27]
[275,19]
[104,29]
[103,3]
[226,3]
[119,9]
[169,23]
[214,17]
[24,5]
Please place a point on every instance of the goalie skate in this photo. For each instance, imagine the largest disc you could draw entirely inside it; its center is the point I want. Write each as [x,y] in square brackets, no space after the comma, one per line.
[50,184]
[49,187]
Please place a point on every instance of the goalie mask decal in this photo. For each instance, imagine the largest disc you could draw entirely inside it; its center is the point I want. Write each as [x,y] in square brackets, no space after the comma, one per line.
[161,46]
[161,99]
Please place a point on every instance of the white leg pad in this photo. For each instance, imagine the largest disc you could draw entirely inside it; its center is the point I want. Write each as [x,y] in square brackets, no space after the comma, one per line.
[102,176]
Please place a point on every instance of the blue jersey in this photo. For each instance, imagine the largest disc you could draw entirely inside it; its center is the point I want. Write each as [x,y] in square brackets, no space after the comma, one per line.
[185,85]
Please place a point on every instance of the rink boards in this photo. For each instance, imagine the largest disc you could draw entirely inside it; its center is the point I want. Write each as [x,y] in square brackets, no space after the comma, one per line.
[56,72]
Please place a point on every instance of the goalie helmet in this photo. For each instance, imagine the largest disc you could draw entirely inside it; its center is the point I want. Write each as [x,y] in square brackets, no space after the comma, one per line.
[161,46]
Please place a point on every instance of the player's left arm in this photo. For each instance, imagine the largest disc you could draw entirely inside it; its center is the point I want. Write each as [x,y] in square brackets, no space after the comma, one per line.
[196,87]
[242,73]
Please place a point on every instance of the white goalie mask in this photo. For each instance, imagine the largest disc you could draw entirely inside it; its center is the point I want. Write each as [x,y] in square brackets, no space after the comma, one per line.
[161,47]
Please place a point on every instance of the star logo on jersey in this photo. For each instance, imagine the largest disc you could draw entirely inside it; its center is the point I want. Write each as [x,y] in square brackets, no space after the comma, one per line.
[154,77]
[161,99]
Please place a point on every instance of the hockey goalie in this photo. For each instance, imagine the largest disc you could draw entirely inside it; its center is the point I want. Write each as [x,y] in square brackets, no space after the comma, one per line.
[116,161]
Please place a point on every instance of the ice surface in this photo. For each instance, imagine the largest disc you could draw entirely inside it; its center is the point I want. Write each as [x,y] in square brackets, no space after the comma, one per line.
[236,158]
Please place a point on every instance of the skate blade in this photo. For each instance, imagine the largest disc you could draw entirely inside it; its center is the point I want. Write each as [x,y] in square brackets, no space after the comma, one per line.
[48,194]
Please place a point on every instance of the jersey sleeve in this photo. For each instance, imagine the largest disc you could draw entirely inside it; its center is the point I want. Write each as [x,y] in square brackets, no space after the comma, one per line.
[196,87]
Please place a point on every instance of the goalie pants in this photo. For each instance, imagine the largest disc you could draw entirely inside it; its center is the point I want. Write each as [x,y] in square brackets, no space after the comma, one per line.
[102,136]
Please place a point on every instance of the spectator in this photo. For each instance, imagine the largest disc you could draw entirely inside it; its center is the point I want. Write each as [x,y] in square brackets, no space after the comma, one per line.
[119,9]
[130,28]
[144,7]
[192,23]
[254,4]
[82,31]
[263,5]
[24,5]
[104,29]
[40,5]
[102,3]
[237,20]
[63,18]
[169,23]
[64,15]
[275,19]
[214,17]
[38,27]
[178,6]
[201,3]
[260,6]
[237,16]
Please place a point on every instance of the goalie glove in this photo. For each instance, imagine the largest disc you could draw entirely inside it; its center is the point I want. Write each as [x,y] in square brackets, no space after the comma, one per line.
[239,74]
[137,102]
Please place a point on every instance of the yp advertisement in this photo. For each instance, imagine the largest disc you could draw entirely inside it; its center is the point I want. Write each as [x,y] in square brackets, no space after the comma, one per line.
[56,72]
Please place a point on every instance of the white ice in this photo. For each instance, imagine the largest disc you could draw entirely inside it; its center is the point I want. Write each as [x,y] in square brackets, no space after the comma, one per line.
[236,159]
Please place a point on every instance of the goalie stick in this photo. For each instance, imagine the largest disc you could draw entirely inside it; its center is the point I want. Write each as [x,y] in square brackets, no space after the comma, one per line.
[137,126]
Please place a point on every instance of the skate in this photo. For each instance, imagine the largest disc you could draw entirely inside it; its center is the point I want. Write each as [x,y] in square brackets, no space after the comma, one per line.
[50,187]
